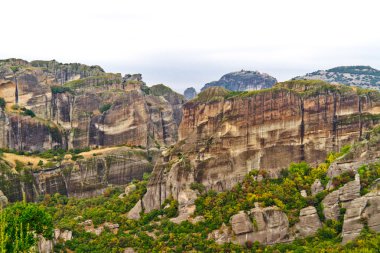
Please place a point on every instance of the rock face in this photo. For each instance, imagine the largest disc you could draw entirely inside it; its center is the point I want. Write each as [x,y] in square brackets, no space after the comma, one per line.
[222,138]
[309,222]
[340,198]
[3,199]
[83,178]
[241,223]
[83,106]
[190,93]
[243,80]
[363,76]
[265,225]
[316,187]
[363,210]
[44,245]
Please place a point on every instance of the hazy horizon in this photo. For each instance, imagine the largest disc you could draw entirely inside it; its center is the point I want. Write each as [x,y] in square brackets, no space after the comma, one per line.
[183,44]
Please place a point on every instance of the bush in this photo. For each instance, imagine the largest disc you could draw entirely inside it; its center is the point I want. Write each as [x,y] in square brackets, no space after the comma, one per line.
[30,113]
[105,108]
[60,89]
[2,103]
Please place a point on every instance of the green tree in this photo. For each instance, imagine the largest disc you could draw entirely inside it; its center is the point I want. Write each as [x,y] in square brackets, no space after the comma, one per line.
[19,223]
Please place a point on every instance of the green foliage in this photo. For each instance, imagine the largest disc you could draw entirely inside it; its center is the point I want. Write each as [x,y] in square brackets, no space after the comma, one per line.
[60,89]
[198,187]
[160,90]
[2,103]
[105,108]
[368,174]
[19,225]
[28,112]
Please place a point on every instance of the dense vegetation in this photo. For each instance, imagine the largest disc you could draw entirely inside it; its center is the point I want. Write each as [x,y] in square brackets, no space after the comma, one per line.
[19,225]
[154,232]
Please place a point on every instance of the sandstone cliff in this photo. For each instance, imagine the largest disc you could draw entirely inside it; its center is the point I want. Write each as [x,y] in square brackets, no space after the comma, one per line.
[78,106]
[225,135]
[85,177]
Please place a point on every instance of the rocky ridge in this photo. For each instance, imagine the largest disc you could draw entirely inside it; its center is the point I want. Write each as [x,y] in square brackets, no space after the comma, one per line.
[79,106]
[243,80]
[362,76]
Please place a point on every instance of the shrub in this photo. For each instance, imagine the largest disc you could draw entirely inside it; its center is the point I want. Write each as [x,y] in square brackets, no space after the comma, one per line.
[28,112]
[105,108]
[60,89]
[2,103]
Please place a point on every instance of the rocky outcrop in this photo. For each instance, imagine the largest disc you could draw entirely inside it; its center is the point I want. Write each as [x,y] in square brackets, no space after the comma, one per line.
[65,235]
[309,222]
[222,138]
[361,211]
[340,198]
[267,225]
[243,80]
[44,245]
[79,106]
[190,93]
[363,76]
[221,235]
[241,223]
[83,178]
[316,187]
[3,200]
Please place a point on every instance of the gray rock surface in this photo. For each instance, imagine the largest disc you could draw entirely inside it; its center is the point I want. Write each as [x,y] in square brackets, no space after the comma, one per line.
[44,245]
[362,210]
[190,93]
[241,223]
[3,199]
[316,187]
[134,213]
[331,205]
[309,222]
[243,80]
[340,198]
[363,76]
[221,235]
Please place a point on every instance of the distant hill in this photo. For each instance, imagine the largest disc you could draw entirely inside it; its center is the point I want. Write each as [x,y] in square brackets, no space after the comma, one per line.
[190,93]
[363,76]
[243,80]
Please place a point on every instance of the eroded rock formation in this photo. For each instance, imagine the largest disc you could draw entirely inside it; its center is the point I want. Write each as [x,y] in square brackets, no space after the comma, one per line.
[243,80]
[223,136]
[79,106]
[83,178]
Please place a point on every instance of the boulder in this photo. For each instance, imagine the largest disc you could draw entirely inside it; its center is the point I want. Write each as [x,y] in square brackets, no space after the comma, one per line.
[129,250]
[134,213]
[221,235]
[130,188]
[309,222]
[271,225]
[351,190]
[241,223]
[66,235]
[44,245]
[316,187]
[341,197]
[331,205]
[361,211]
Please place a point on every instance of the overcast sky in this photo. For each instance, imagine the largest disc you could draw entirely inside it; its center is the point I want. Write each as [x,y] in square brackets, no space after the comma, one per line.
[188,43]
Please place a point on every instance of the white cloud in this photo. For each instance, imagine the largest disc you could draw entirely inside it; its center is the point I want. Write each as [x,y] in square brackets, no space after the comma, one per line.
[192,42]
